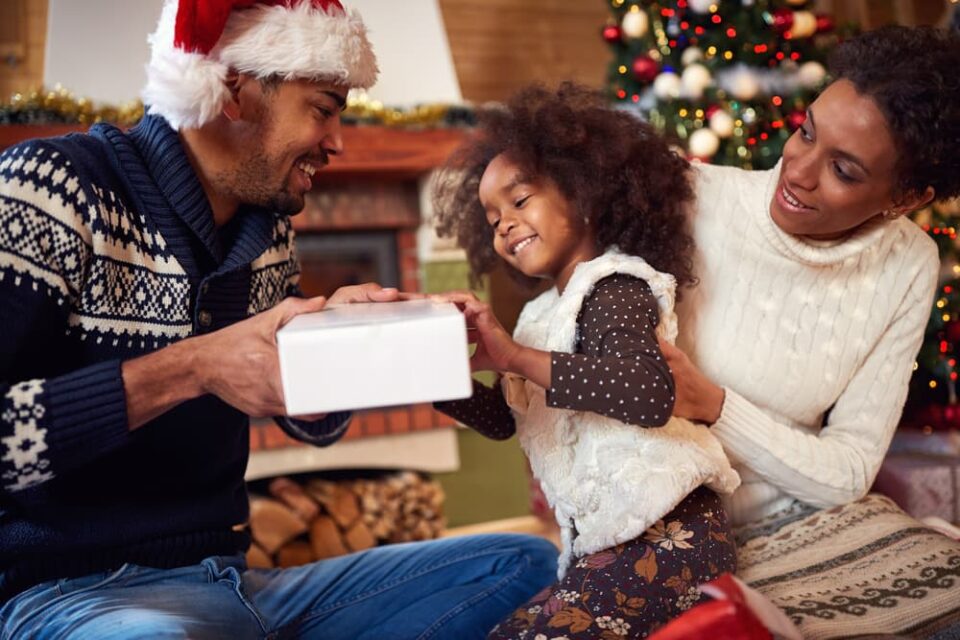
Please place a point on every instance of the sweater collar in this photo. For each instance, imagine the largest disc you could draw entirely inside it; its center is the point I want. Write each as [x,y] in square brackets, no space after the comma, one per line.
[819,253]
[167,163]
[154,161]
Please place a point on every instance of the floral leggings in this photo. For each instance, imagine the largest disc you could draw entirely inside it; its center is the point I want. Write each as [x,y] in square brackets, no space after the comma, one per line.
[631,589]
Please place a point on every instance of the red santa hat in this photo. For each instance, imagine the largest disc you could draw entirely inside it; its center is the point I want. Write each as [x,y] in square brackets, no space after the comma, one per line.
[198,41]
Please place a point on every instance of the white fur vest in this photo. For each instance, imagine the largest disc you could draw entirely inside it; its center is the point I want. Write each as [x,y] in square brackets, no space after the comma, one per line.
[607,481]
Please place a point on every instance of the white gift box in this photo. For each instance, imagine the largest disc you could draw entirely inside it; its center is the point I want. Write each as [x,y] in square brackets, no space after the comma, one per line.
[355,356]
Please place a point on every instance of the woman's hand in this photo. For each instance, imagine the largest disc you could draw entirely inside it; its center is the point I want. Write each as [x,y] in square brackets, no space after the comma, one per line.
[698,398]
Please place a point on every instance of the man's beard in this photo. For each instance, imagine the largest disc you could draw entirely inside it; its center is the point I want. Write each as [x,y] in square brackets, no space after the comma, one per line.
[248,183]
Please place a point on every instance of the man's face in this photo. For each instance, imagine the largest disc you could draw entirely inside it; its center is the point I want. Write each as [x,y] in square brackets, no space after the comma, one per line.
[294,126]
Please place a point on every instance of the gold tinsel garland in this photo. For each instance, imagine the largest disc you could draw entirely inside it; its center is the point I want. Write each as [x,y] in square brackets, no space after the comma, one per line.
[59,105]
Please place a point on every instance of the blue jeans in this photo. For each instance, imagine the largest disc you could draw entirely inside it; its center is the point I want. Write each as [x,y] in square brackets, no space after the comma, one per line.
[453,588]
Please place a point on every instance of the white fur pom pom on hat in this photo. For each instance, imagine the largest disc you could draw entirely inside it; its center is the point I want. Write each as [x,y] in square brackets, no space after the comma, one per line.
[197,42]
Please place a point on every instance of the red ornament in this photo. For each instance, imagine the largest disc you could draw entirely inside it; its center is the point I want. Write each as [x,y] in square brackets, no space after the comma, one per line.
[952,330]
[825,23]
[930,415]
[951,416]
[709,111]
[612,33]
[782,20]
[795,119]
[645,69]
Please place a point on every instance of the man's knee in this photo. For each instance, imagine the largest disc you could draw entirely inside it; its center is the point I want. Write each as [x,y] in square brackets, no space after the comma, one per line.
[130,624]
[537,554]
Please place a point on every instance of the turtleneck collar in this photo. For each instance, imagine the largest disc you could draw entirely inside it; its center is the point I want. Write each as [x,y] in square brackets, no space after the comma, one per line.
[818,253]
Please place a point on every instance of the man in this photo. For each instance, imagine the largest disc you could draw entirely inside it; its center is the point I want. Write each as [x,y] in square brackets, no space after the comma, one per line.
[143,276]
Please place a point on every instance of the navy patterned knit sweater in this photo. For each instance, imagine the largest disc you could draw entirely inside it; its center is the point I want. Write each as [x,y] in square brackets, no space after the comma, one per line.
[108,251]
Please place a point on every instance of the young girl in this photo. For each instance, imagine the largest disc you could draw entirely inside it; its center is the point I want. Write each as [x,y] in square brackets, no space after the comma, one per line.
[561,187]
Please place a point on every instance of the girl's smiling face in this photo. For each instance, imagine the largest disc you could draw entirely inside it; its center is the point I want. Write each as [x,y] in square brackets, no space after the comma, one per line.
[536,228]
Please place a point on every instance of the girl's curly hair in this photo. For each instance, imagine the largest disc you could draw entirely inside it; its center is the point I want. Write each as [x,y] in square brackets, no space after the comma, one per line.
[610,165]
[913,75]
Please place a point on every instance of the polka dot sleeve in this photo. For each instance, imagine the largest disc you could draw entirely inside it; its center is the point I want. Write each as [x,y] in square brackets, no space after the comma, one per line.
[618,369]
[485,411]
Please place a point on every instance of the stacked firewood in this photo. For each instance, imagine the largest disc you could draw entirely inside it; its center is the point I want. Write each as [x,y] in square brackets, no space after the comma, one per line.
[300,522]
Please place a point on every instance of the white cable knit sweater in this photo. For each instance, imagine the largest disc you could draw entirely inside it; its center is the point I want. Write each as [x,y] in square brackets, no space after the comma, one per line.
[793,329]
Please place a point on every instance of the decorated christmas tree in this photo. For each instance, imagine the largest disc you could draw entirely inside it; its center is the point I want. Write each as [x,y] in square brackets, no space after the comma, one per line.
[933,389]
[729,79]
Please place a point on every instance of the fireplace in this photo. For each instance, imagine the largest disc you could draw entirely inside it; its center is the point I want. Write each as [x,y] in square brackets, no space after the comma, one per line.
[360,224]
[329,261]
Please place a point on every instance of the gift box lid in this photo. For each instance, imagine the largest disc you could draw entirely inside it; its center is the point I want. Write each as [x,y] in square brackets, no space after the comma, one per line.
[361,313]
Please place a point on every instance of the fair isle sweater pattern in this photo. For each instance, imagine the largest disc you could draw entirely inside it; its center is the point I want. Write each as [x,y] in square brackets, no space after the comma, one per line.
[108,268]
[108,251]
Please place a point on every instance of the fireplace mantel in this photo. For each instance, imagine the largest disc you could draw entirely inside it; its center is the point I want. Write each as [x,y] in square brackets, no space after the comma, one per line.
[391,153]
[386,152]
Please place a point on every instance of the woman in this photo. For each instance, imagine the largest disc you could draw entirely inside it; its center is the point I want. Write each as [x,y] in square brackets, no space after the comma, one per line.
[798,345]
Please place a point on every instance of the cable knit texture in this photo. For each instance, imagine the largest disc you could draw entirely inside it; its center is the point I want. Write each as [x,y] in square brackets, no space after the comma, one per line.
[795,330]
[607,481]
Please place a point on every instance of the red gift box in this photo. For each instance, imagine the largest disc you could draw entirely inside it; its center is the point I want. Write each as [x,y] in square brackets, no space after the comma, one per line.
[712,620]
[736,613]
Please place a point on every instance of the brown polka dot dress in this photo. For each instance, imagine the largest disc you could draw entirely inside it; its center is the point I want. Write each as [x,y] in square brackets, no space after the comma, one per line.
[617,370]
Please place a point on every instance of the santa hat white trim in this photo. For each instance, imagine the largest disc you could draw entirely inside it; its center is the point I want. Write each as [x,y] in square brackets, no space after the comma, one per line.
[187,88]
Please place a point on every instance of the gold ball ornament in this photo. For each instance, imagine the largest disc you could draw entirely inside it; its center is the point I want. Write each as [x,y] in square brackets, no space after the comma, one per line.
[667,86]
[745,85]
[691,55]
[703,143]
[694,80]
[635,24]
[721,123]
[701,6]
[804,24]
[811,74]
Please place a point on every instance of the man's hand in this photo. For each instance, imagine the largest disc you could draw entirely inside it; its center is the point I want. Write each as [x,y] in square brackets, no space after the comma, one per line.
[698,398]
[370,292]
[239,364]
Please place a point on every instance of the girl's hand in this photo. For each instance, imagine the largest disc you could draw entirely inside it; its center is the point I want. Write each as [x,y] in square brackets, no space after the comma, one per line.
[698,398]
[496,350]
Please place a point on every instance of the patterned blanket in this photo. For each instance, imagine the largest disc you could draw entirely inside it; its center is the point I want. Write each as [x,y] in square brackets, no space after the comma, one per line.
[863,570]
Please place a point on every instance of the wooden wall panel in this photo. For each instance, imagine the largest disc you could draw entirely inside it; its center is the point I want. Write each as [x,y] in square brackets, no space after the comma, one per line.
[25,74]
[870,14]
[500,45]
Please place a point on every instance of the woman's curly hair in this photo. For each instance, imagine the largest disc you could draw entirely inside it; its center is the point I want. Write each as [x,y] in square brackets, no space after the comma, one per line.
[612,167]
[913,76]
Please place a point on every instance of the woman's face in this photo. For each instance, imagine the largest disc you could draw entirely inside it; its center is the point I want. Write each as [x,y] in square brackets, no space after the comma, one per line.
[535,228]
[838,167]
